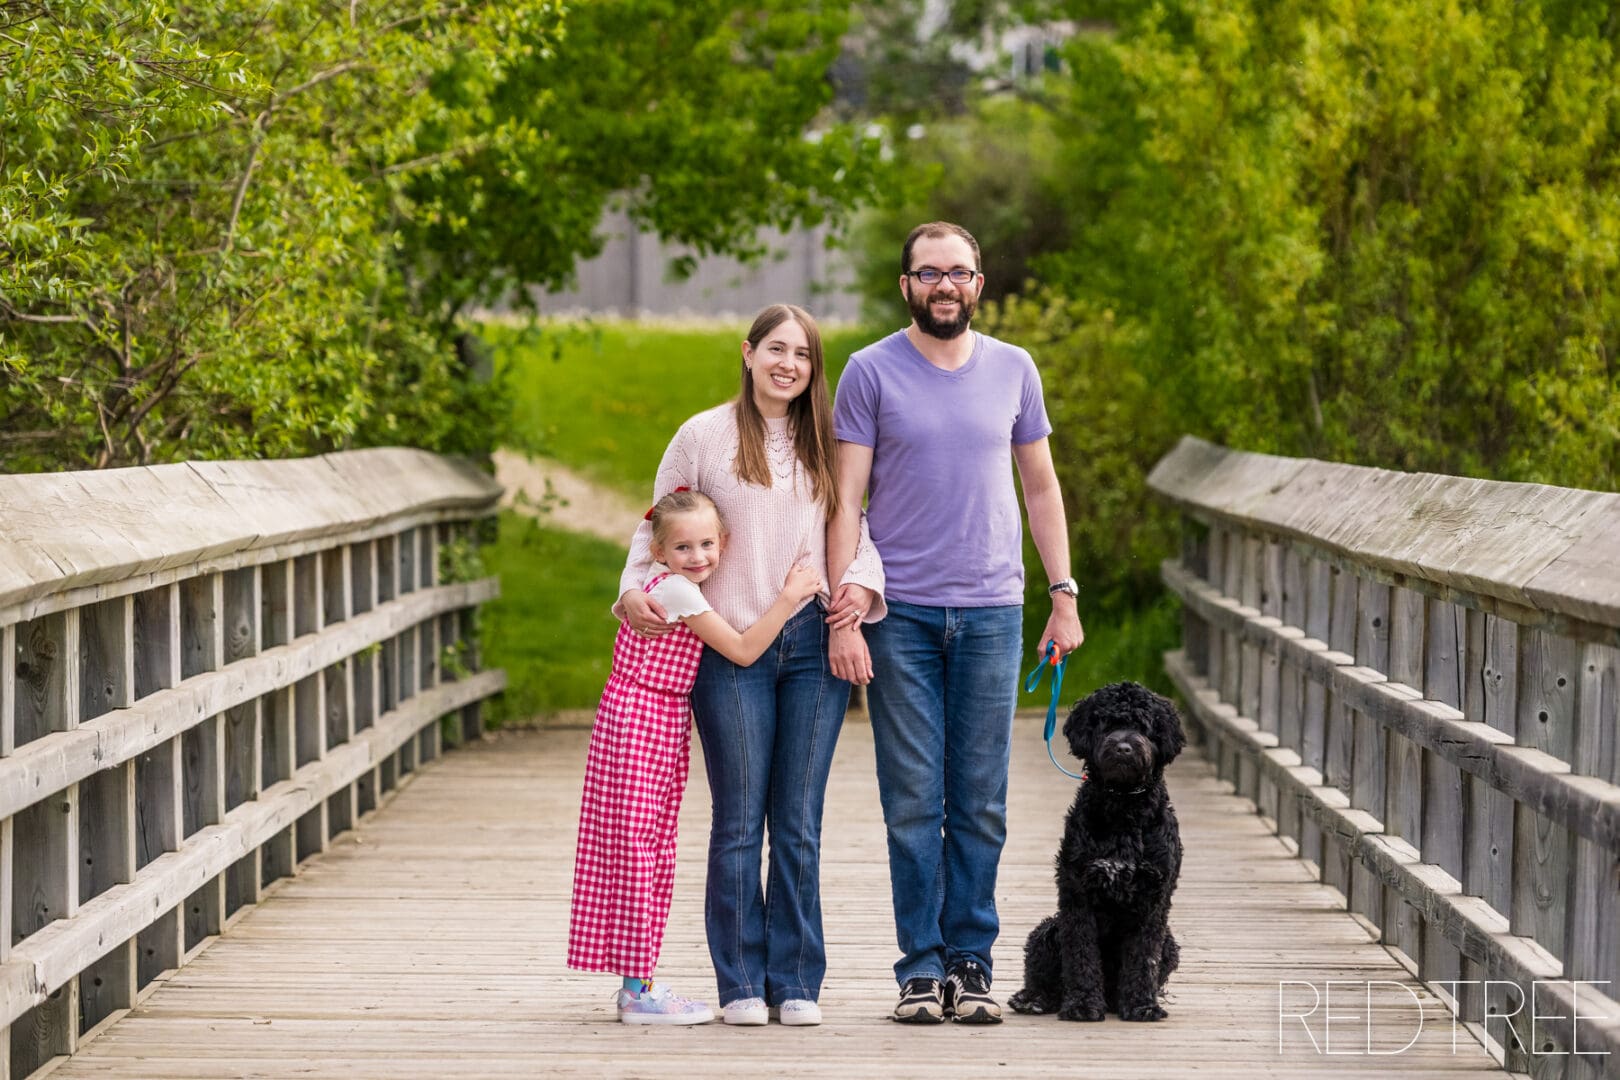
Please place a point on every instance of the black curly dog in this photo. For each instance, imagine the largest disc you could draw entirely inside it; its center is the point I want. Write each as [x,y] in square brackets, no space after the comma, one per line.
[1109,947]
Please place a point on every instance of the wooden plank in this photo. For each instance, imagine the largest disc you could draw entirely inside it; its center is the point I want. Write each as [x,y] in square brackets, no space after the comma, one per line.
[1584,805]
[309,603]
[277,600]
[66,757]
[1444,822]
[1491,698]
[85,529]
[406,548]
[8,891]
[45,864]
[157,640]
[363,577]
[63,758]
[309,719]
[71,596]
[242,604]
[106,657]
[107,830]
[194,873]
[202,624]
[107,986]
[336,589]
[1548,684]
[278,759]
[1401,926]
[244,747]
[277,994]
[8,694]
[202,756]
[1216,579]
[1466,923]
[1593,949]
[159,802]
[47,677]
[1524,545]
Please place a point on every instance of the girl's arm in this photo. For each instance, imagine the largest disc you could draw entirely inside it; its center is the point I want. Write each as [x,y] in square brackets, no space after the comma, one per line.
[744,648]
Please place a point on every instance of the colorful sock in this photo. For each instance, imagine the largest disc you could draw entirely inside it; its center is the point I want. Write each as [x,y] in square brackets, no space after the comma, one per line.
[633,985]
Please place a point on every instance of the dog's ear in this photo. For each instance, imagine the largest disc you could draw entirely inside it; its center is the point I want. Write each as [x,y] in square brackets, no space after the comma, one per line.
[1078,728]
[1168,738]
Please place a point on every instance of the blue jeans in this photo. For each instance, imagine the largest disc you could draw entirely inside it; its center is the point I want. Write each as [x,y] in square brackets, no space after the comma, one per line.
[768,735]
[945,683]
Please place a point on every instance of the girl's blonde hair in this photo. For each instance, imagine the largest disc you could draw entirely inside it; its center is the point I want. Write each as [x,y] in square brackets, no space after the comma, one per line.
[677,502]
[810,415]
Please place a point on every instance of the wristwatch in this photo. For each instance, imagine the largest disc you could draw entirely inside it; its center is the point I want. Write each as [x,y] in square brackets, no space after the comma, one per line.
[1067,585]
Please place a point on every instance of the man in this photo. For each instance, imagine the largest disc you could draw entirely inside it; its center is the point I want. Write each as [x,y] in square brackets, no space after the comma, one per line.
[926,420]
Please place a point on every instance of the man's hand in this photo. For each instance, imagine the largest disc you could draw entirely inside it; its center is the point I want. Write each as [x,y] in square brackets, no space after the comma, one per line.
[848,657]
[849,605]
[644,614]
[1063,629]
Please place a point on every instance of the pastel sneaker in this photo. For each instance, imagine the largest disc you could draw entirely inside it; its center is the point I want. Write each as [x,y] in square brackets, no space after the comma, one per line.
[745,1012]
[797,1012]
[656,1005]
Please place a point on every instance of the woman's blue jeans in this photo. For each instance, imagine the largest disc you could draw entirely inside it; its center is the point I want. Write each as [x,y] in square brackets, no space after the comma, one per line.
[768,733]
[944,686]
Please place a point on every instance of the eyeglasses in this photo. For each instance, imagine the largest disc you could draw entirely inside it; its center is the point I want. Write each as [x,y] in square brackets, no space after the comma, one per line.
[929,276]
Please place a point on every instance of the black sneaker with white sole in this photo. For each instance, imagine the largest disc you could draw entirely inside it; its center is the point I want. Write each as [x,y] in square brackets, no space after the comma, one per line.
[920,1002]
[967,997]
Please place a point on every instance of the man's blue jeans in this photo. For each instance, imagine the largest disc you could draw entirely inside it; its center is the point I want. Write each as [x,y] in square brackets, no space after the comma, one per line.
[768,735]
[945,683]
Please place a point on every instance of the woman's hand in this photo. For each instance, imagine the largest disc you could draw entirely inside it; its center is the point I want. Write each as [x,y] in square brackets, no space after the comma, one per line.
[645,615]
[849,606]
[802,583]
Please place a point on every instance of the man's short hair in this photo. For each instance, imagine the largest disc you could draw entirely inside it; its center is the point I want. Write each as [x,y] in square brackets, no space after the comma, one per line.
[933,230]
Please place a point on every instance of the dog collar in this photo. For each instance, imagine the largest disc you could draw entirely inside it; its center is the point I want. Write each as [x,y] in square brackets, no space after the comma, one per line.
[1085,778]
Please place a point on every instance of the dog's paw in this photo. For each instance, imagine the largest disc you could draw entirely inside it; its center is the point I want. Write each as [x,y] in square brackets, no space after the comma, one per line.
[1031,1004]
[1081,1010]
[1142,1013]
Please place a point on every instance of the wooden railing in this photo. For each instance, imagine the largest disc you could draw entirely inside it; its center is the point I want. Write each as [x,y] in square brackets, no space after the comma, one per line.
[1415,679]
[207,671]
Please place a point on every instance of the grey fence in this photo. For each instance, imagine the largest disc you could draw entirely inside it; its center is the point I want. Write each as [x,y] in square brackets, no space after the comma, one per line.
[207,671]
[1415,679]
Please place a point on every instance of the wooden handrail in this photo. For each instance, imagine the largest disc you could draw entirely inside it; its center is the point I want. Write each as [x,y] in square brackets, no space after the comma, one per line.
[207,671]
[1417,680]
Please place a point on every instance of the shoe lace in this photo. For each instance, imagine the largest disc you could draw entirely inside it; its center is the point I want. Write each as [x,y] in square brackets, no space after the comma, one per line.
[972,977]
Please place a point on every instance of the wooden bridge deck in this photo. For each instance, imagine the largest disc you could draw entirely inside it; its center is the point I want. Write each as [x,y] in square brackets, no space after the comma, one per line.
[429,943]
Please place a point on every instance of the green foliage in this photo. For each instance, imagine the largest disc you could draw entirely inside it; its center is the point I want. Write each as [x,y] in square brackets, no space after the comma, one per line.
[994,171]
[460,560]
[1379,232]
[605,398]
[246,230]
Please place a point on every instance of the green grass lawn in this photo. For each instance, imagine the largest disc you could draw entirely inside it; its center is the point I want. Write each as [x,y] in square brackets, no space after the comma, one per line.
[550,629]
[604,398]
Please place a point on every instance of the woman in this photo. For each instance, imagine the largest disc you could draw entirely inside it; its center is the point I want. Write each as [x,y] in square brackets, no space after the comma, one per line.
[768,730]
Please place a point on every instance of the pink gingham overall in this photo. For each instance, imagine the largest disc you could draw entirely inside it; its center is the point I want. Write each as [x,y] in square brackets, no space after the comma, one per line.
[635,774]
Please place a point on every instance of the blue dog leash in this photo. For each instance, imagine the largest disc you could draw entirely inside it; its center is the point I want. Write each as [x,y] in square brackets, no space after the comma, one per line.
[1032,681]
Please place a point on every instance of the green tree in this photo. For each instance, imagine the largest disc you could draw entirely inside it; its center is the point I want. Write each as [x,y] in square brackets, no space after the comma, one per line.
[240,230]
[1381,232]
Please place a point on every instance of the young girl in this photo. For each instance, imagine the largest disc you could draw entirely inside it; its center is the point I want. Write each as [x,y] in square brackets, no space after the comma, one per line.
[636,770]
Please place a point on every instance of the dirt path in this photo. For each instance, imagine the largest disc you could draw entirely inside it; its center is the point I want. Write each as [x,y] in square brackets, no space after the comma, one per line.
[581,505]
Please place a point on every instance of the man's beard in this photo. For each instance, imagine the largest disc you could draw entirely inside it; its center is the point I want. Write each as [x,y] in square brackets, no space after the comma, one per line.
[935,328]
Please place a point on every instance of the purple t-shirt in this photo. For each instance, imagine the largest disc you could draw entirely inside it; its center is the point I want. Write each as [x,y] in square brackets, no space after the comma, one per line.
[941,504]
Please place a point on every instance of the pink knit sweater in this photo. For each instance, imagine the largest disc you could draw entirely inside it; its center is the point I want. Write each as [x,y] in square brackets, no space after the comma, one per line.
[770,528]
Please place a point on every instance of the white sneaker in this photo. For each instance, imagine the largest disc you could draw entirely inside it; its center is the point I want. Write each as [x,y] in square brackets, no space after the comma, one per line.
[797,1012]
[745,1012]
[657,1005]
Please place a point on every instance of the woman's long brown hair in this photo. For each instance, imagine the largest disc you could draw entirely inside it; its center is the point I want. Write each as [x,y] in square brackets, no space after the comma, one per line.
[809,414]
